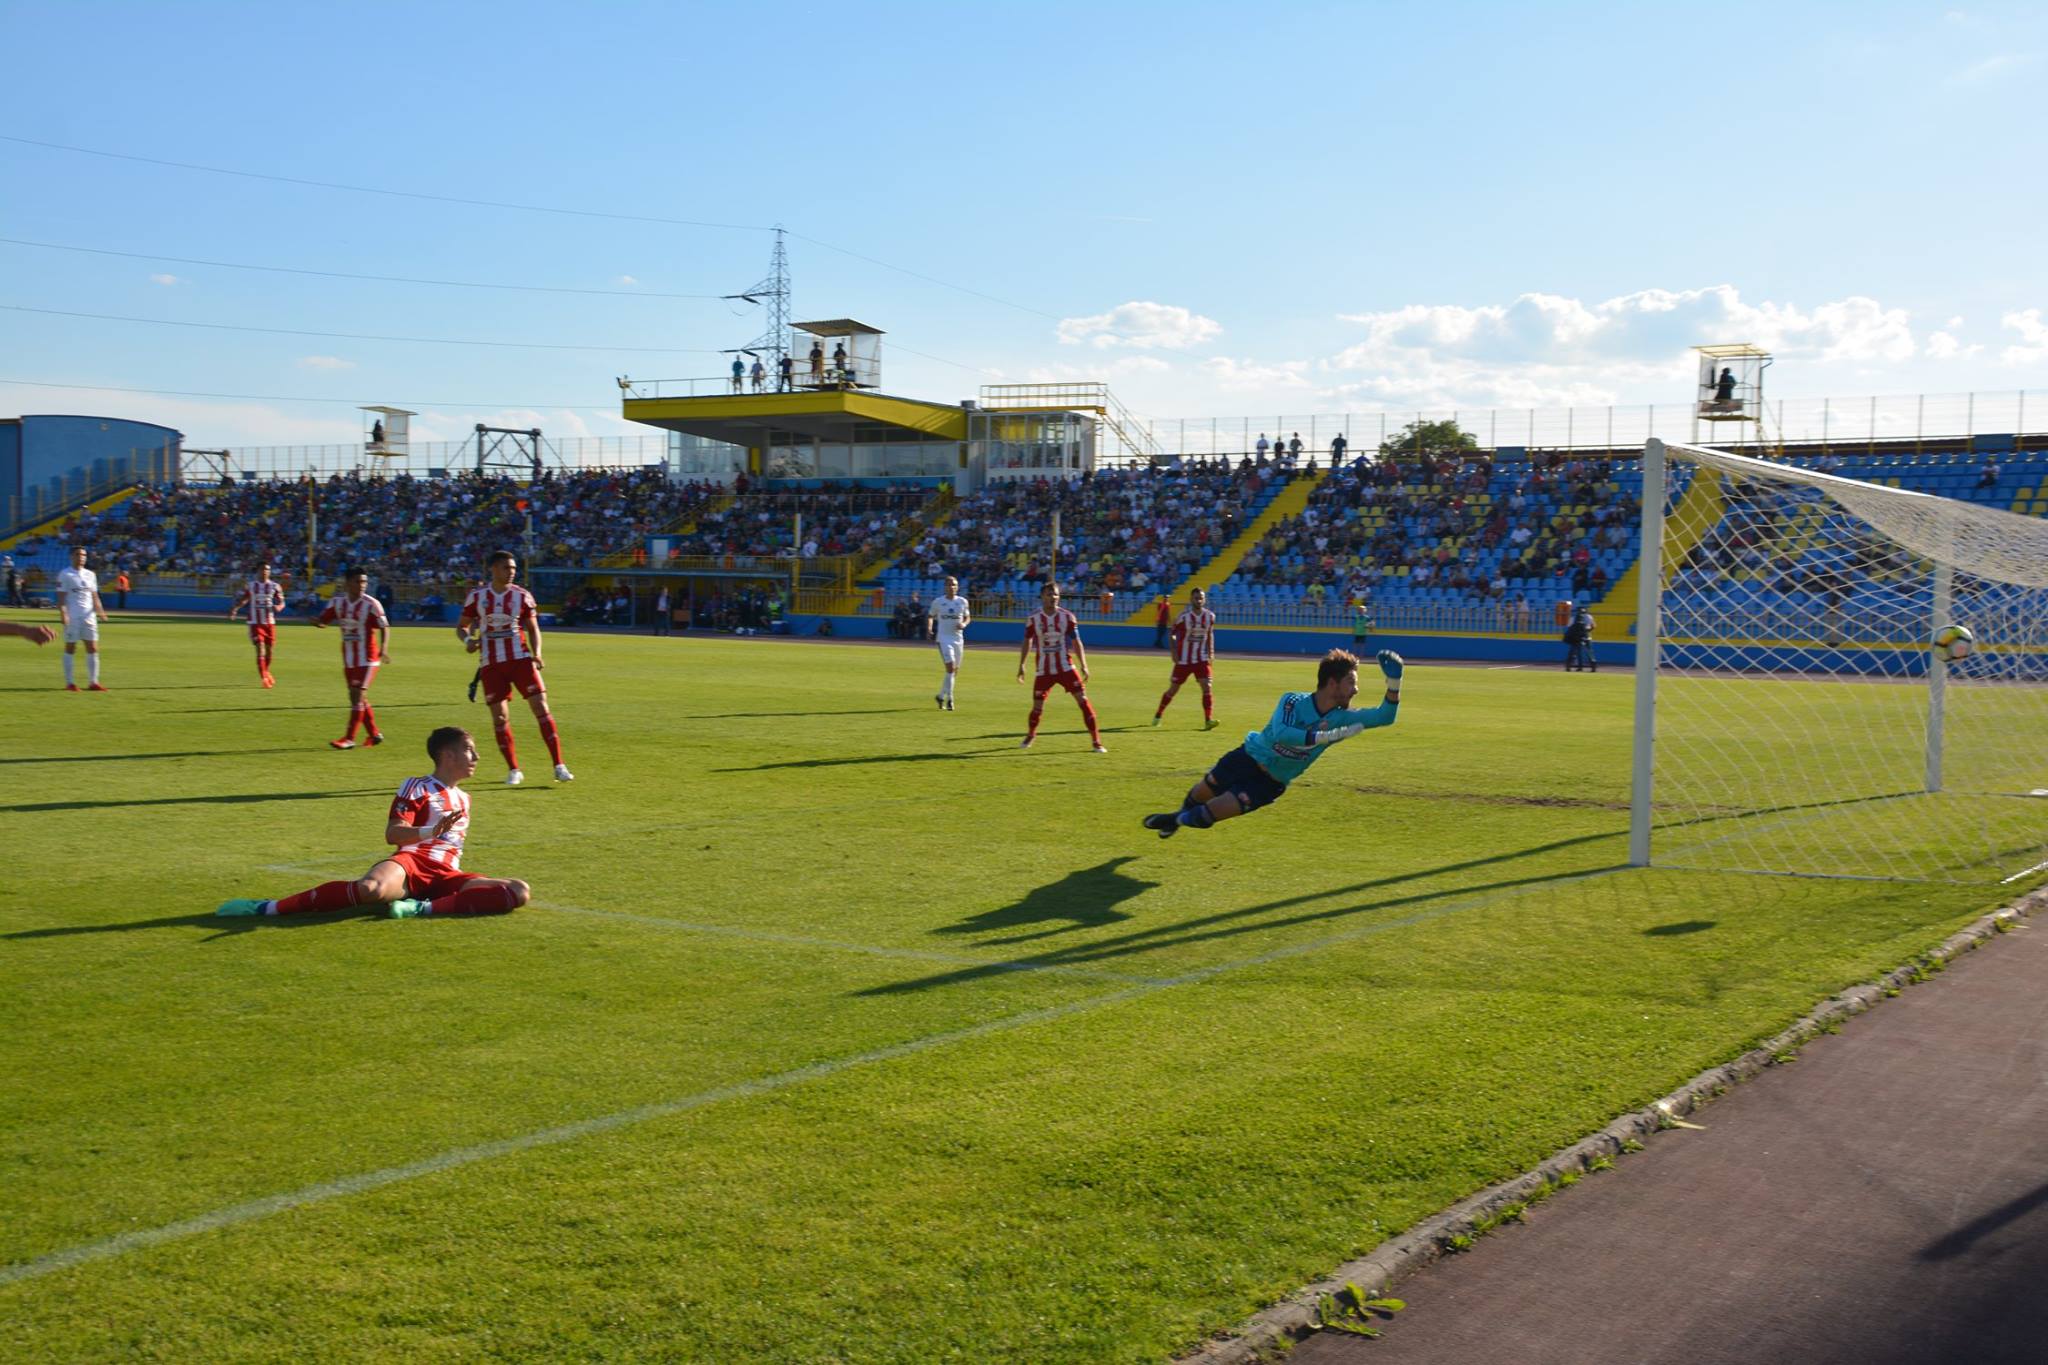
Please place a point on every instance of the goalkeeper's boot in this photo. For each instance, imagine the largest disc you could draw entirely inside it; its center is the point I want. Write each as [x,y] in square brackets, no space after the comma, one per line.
[408,909]
[233,908]
[514,778]
[562,773]
[1168,825]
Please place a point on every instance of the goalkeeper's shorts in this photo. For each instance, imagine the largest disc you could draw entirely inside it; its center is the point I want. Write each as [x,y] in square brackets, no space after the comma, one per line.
[1238,773]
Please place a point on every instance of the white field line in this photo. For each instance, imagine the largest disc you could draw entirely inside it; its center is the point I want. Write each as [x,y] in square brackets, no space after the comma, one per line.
[802,940]
[255,1209]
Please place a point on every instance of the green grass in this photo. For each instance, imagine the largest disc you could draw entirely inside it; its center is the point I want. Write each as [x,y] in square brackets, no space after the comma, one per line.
[773,950]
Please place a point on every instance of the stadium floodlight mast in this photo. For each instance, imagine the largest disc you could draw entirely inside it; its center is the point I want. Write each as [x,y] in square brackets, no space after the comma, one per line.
[772,293]
[1791,713]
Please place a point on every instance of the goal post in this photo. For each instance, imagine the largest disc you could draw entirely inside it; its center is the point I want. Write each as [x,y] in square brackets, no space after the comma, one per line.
[1791,715]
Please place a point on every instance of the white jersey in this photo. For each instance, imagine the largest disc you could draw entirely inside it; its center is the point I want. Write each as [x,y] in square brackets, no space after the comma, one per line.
[76,589]
[951,615]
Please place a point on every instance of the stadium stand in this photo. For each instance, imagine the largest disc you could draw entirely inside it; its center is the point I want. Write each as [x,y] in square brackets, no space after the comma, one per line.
[838,519]
[1130,533]
[426,531]
[1513,534]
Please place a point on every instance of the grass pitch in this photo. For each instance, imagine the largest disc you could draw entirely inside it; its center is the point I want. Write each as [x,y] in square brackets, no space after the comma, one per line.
[841,1030]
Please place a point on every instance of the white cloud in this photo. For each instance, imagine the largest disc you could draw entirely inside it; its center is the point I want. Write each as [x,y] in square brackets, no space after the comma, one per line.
[1943,345]
[1993,68]
[1249,376]
[325,362]
[1145,326]
[2033,343]
[165,280]
[627,279]
[1543,350]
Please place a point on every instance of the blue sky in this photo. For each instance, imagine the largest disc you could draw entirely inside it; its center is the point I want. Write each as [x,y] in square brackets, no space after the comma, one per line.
[1221,209]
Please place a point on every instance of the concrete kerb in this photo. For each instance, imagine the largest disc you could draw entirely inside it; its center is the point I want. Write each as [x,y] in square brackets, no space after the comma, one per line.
[1268,1334]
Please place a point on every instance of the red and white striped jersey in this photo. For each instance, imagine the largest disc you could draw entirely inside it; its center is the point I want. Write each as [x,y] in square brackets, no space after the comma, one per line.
[265,599]
[1194,637]
[504,617]
[1053,634]
[358,620]
[424,802]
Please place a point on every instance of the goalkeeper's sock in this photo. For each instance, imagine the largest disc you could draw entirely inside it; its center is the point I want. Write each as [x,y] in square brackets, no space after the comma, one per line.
[474,900]
[326,896]
[552,737]
[502,732]
[1196,817]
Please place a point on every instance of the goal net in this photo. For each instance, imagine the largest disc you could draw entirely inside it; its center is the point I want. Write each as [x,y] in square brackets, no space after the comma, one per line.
[1792,715]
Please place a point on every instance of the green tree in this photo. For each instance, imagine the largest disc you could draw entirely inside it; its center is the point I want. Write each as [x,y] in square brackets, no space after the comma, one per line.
[1428,438]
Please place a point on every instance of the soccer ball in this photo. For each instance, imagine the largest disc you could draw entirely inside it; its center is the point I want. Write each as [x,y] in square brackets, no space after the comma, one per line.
[1954,642]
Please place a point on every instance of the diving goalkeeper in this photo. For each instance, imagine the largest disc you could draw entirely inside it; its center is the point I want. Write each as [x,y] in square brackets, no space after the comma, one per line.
[1303,727]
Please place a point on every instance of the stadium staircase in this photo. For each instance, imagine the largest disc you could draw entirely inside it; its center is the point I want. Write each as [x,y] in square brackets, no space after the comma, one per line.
[54,523]
[867,579]
[1288,502]
[1698,512]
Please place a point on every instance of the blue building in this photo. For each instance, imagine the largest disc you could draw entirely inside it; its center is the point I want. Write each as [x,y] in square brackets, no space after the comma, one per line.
[52,462]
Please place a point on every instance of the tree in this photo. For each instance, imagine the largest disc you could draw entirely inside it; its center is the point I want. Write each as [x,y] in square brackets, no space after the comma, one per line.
[1428,438]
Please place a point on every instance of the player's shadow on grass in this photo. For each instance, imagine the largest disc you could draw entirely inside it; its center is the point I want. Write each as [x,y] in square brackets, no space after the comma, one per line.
[1684,926]
[165,687]
[233,925]
[1079,900]
[859,759]
[242,799]
[1258,919]
[129,758]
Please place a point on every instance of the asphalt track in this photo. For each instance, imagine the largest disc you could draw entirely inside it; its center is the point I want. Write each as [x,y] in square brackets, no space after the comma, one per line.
[1882,1200]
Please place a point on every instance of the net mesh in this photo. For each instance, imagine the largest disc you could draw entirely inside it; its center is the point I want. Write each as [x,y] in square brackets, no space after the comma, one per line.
[1804,724]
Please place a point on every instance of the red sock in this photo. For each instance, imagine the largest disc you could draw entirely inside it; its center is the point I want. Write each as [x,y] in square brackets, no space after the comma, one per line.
[1208,706]
[504,736]
[369,718]
[1165,700]
[1088,714]
[1032,730]
[474,900]
[326,896]
[355,718]
[552,736]
[262,664]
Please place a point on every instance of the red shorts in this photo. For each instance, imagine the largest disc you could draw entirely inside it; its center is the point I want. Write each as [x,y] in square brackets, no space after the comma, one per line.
[361,677]
[514,675]
[426,882]
[263,635]
[1045,683]
[1182,672]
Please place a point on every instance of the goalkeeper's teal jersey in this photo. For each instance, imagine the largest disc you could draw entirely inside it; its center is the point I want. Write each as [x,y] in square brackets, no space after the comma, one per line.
[1287,746]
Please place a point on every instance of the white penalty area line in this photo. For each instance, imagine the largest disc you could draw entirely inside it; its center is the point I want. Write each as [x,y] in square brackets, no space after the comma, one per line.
[255,1209]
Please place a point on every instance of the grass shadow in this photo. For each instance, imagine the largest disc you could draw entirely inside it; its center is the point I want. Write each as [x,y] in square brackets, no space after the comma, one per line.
[331,706]
[1079,900]
[129,758]
[246,799]
[1261,918]
[1687,926]
[861,759]
[233,925]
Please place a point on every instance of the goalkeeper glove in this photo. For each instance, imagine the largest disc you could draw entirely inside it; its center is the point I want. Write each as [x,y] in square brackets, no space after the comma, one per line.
[1391,664]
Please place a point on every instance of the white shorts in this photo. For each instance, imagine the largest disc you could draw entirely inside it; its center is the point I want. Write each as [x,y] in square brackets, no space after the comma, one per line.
[950,650]
[86,634]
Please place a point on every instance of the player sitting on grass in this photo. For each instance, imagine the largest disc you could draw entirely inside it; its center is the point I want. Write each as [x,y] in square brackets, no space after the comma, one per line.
[1303,727]
[427,823]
